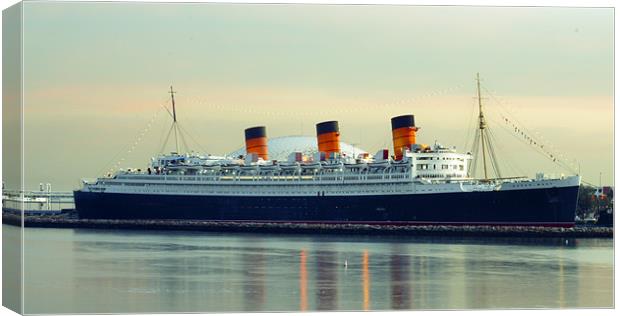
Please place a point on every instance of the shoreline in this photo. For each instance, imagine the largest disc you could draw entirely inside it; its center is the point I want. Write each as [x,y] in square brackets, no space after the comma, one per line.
[298,228]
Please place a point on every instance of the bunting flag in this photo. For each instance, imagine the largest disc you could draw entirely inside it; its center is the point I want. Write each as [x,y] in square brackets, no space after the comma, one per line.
[138,140]
[537,144]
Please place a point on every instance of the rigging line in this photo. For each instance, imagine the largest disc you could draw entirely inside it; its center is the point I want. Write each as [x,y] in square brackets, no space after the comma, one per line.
[496,145]
[111,162]
[511,133]
[539,151]
[494,160]
[139,138]
[159,141]
[167,110]
[176,140]
[475,148]
[193,139]
[509,162]
[536,149]
[470,124]
[163,147]
[332,109]
[494,167]
[491,159]
[509,113]
[182,132]
[489,152]
[553,152]
[588,183]
[502,104]
[187,149]
[554,156]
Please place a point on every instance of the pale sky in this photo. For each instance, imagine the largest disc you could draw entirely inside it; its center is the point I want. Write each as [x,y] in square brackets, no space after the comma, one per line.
[97,73]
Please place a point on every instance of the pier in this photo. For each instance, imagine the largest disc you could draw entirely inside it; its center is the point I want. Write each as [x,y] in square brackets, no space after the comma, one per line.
[68,219]
[42,202]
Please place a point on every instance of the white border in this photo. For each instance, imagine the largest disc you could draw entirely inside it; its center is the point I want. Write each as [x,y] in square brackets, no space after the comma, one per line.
[508,3]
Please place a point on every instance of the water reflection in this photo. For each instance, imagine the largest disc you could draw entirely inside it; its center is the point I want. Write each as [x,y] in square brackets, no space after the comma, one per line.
[400,279]
[254,280]
[111,272]
[303,282]
[366,280]
[537,276]
[326,280]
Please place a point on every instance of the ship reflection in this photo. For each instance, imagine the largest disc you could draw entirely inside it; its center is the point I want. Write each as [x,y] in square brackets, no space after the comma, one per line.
[400,280]
[351,280]
[326,280]
[254,275]
[555,276]
[246,274]
[303,282]
[366,280]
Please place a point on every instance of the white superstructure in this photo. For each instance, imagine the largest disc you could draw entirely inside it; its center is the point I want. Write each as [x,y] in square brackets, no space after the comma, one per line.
[436,169]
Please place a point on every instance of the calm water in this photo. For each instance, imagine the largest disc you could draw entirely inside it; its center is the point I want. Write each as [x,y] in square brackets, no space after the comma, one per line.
[136,271]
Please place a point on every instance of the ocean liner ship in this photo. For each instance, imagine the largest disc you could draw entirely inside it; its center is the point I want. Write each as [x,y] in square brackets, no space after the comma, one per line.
[417,184]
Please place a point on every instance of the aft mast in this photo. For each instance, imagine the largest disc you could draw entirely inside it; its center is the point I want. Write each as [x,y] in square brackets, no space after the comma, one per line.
[483,138]
[481,126]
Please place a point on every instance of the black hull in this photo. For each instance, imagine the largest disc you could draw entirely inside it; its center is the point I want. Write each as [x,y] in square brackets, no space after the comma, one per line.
[541,207]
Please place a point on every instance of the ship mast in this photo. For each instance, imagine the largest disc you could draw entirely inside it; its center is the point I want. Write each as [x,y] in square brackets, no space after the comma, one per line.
[174,120]
[175,127]
[483,138]
[481,127]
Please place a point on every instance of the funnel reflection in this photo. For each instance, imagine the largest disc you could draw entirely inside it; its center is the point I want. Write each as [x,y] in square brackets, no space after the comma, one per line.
[326,280]
[400,281]
[303,282]
[366,280]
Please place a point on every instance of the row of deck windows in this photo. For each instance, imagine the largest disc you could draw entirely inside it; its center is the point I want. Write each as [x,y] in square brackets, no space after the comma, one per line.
[443,167]
[381,188]
[442,158]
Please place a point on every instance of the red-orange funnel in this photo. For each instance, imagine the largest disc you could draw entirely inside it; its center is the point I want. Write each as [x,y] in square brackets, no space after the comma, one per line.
[328,137]
[403,134]
[256,141]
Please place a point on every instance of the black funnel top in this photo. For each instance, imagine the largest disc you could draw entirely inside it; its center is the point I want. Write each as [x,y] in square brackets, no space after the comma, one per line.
[327,127]
[403,121]
[255,132]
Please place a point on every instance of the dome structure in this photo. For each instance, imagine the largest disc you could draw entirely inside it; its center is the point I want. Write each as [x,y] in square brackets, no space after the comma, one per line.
[281,147]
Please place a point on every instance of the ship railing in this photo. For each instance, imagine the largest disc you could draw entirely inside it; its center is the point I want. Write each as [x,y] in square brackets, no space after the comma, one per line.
[36,200]
[46,194]
[298,177]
